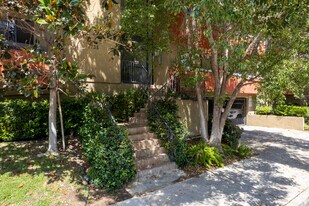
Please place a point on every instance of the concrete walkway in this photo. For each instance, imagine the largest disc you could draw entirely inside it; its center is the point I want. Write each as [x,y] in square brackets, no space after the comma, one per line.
[278,175]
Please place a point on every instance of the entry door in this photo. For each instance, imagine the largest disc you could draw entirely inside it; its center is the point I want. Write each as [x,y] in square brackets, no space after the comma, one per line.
[135,71]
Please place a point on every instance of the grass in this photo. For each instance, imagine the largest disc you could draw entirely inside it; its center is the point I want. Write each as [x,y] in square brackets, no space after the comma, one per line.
[26,179]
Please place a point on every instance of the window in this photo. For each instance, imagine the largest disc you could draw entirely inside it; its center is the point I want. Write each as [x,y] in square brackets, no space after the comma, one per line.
[17,32]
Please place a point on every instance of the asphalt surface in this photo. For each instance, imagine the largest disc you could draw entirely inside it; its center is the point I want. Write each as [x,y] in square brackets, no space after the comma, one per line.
[277,175]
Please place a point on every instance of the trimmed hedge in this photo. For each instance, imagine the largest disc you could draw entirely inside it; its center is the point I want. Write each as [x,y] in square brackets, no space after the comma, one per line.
[284,110]
[22,120]
[107,149]
[27,120]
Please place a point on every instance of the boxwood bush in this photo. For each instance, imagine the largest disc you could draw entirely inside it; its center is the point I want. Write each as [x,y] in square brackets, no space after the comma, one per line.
[107,148]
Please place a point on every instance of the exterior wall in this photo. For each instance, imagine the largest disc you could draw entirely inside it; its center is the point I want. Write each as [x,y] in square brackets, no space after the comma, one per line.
[97,59]
[296,123]
[189,115]
[162,64]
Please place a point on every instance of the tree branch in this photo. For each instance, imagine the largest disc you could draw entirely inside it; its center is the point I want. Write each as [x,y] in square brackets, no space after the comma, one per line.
[252,44]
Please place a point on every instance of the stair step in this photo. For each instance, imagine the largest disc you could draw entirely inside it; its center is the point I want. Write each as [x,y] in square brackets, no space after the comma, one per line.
[143,110]
[140,115]
[143,136]
[146,153]
[146,144]
[151,162]
[138,120]
[137,129]
[159,169]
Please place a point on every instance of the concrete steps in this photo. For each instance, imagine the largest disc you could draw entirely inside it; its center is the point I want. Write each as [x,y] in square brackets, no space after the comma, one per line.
[146,153]
[154,169]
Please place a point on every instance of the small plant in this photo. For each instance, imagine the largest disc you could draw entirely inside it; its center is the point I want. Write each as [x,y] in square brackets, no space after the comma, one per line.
[243,151]
[203,154]
[231,134]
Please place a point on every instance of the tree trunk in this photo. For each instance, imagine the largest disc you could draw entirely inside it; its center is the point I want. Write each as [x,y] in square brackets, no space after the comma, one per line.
[52,116]
[203,123]
[216,128]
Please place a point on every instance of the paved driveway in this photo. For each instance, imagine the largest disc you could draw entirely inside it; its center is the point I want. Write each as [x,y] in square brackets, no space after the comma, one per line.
[278,175]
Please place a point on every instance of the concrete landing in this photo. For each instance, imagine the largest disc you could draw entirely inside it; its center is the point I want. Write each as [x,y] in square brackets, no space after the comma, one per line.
[151,183]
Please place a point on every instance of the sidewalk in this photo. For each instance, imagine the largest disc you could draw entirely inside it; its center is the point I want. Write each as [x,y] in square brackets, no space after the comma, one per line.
[278,175]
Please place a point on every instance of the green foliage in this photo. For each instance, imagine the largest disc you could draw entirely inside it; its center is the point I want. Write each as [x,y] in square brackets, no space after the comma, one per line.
[177,148]
[124,104]
[243,151]
[23,119]
[151,19]
[265,110]
[285,110]
[107,148]
[72,109]
[231,134]
[203,154]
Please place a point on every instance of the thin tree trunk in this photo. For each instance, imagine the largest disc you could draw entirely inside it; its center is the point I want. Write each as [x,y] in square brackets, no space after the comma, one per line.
[203,123]
[61,121]
[216,129]
[52,116]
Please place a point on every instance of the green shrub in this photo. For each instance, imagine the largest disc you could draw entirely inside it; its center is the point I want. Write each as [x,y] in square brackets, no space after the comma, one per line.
[203,154]
[23,119]
[285,110]
[124,104]
[107,148]
[231,134]
[177,148]
[26,120]
[266,110]
[72,112]
[243,151]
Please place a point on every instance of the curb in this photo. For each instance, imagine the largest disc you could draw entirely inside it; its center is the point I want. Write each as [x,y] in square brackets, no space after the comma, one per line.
[301,199]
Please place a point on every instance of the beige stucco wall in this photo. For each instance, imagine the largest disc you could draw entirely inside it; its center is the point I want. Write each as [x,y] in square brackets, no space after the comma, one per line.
[276,121]
[189,115]
[162,64]
[96,59]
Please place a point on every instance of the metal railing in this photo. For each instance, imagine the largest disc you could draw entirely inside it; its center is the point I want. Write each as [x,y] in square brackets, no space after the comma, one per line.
[152,107]
[105,107]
